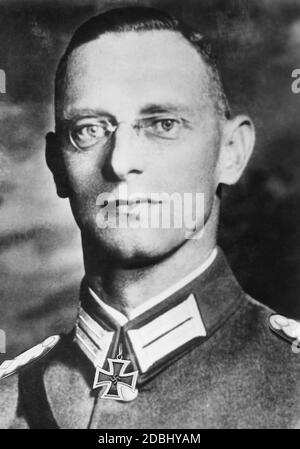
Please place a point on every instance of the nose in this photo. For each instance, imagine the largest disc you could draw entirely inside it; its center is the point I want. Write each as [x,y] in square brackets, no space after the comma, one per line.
[125,158]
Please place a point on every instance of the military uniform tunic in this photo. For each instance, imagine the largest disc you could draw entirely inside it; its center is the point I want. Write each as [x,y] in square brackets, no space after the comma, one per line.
[240,374]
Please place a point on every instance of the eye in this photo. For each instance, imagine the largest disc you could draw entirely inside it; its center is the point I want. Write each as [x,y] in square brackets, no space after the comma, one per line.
[167,124]
[168,128]
[87,135]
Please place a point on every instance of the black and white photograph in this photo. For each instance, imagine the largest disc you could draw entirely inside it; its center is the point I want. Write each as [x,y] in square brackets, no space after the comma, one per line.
[149,216]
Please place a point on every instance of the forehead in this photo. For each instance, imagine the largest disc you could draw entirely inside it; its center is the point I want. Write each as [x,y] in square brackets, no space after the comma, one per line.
[127,70]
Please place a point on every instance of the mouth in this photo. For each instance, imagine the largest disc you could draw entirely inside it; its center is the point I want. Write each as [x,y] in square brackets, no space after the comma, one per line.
[132,205]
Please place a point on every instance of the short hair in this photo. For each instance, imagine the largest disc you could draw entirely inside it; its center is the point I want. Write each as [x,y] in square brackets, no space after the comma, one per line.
[139,19]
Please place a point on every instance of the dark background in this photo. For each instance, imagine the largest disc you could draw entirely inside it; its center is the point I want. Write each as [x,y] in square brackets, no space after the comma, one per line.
[258,45]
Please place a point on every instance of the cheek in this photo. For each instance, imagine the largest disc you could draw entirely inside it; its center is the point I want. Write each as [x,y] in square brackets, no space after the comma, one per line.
[83,174]
[191,166]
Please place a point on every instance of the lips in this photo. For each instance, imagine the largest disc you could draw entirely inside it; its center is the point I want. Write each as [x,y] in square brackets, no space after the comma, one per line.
[129,202]
[130,205]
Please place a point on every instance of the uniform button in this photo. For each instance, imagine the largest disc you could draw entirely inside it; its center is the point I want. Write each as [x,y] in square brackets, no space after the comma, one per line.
[129,395]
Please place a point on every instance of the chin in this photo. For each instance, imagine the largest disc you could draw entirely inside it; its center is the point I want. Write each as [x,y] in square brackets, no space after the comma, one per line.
[134,247]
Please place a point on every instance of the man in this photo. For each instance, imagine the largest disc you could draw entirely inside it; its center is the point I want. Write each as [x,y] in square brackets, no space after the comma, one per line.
[165,337]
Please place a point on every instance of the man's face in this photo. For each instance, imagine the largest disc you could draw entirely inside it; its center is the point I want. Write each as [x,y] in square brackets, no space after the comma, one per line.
[155,78]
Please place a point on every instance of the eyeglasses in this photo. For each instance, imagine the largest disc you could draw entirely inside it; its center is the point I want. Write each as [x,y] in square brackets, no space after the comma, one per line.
[89,131]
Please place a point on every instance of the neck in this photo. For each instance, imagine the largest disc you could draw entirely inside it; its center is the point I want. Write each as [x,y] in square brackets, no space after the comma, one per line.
[125,288]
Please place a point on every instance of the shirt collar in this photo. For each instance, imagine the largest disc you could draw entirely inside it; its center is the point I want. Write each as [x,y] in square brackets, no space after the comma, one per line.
[149,303]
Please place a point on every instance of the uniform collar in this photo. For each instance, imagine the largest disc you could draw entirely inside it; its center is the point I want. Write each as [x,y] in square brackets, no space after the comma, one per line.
[149,303]
[163,328]
[68,375]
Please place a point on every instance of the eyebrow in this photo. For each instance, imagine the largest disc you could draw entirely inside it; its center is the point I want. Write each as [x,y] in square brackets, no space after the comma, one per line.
[153,108]
[85,112]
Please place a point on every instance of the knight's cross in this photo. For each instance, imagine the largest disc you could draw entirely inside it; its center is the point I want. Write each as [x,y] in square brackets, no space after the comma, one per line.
[115,379]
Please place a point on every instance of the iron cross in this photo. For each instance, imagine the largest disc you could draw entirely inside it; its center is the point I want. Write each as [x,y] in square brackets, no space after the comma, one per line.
[115,378]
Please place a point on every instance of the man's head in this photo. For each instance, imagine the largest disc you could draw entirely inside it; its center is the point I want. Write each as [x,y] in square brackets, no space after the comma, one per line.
[140,106]
[141,19]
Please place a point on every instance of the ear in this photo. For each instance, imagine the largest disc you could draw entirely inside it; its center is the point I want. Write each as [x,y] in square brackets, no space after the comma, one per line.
[238,139]
[56,164]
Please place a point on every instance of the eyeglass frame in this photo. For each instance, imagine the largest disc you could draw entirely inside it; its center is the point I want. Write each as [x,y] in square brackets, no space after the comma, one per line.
[112,128]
